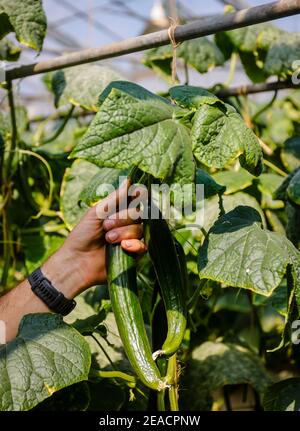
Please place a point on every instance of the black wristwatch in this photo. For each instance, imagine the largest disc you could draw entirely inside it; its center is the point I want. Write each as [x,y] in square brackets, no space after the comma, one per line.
[54,299]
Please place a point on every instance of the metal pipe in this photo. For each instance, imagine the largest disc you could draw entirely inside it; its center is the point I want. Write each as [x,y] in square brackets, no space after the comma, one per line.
[202,27]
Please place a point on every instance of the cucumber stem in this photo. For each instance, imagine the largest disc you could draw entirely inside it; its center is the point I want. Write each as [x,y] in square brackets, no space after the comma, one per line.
[161,407]
[172,379]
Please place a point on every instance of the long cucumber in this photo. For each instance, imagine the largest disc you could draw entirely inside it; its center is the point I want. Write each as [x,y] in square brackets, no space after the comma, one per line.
[121,277]
[171,279]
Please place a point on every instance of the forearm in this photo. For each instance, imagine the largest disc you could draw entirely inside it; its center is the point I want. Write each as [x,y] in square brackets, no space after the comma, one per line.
[21,300]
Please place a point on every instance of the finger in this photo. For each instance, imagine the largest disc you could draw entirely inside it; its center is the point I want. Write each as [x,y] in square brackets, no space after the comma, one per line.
[122,218]
[133,231]
[134,246]
[114,200]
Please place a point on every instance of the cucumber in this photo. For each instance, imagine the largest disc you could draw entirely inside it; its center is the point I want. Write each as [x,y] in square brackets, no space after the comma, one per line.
[171,279]
[121,277]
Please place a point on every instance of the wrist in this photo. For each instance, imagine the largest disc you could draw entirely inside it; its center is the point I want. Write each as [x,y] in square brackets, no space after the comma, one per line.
[62,270]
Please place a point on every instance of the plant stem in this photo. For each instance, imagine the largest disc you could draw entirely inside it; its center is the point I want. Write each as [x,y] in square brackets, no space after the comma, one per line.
[232,68]
[186,73]
[8,250]
[172,379]
[14,132]
[51,180]
[104,352]
[194,298]
[265,107]
[61,127]
[112,375]
[161,407]
[275,168]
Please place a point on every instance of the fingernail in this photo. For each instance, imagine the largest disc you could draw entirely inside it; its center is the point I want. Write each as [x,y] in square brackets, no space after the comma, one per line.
[109,224]
[128,244]
[112,236]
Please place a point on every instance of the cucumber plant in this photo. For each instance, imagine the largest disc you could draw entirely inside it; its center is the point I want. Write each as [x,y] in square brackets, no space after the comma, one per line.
[220,303]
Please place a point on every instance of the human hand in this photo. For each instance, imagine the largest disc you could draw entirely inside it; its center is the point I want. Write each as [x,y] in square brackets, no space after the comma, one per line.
[81,262]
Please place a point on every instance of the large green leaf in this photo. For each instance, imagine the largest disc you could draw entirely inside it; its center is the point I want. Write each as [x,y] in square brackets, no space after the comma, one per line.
[234,180]
[46,356]
[9,51]
[75,179]
[81,85]
[290,153]
[202,54]
[239,253]
[137,128]
[26,18]
[214,365]
[219,136]
[283,396]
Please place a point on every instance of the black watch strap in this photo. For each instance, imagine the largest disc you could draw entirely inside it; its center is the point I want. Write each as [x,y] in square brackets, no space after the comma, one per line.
[54,299]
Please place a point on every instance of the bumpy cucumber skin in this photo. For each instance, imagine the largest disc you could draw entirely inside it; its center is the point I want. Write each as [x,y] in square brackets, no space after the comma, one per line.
[121,277]
[171,280]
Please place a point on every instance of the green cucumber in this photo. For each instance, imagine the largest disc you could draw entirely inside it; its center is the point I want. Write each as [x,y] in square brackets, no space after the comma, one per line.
[171,279]
[121,277]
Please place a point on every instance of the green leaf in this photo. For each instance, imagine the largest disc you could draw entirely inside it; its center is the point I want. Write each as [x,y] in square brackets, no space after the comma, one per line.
[9,51]
[244,39]
[283,396]
[211,187]
[281,191]
[83,317]
[38,247]
[26,18]
[215,365]
[290,153]
[81,85]
[96,188]
[137,128]
[219,136]
[75,179]
[293,190]
[239,253]
[160,60]
[202,54]
[253,71]
[269,183]
[212,208]
[232,300]
[281,54]
[191,97]
[234,180]
[46,356]
[60,147]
